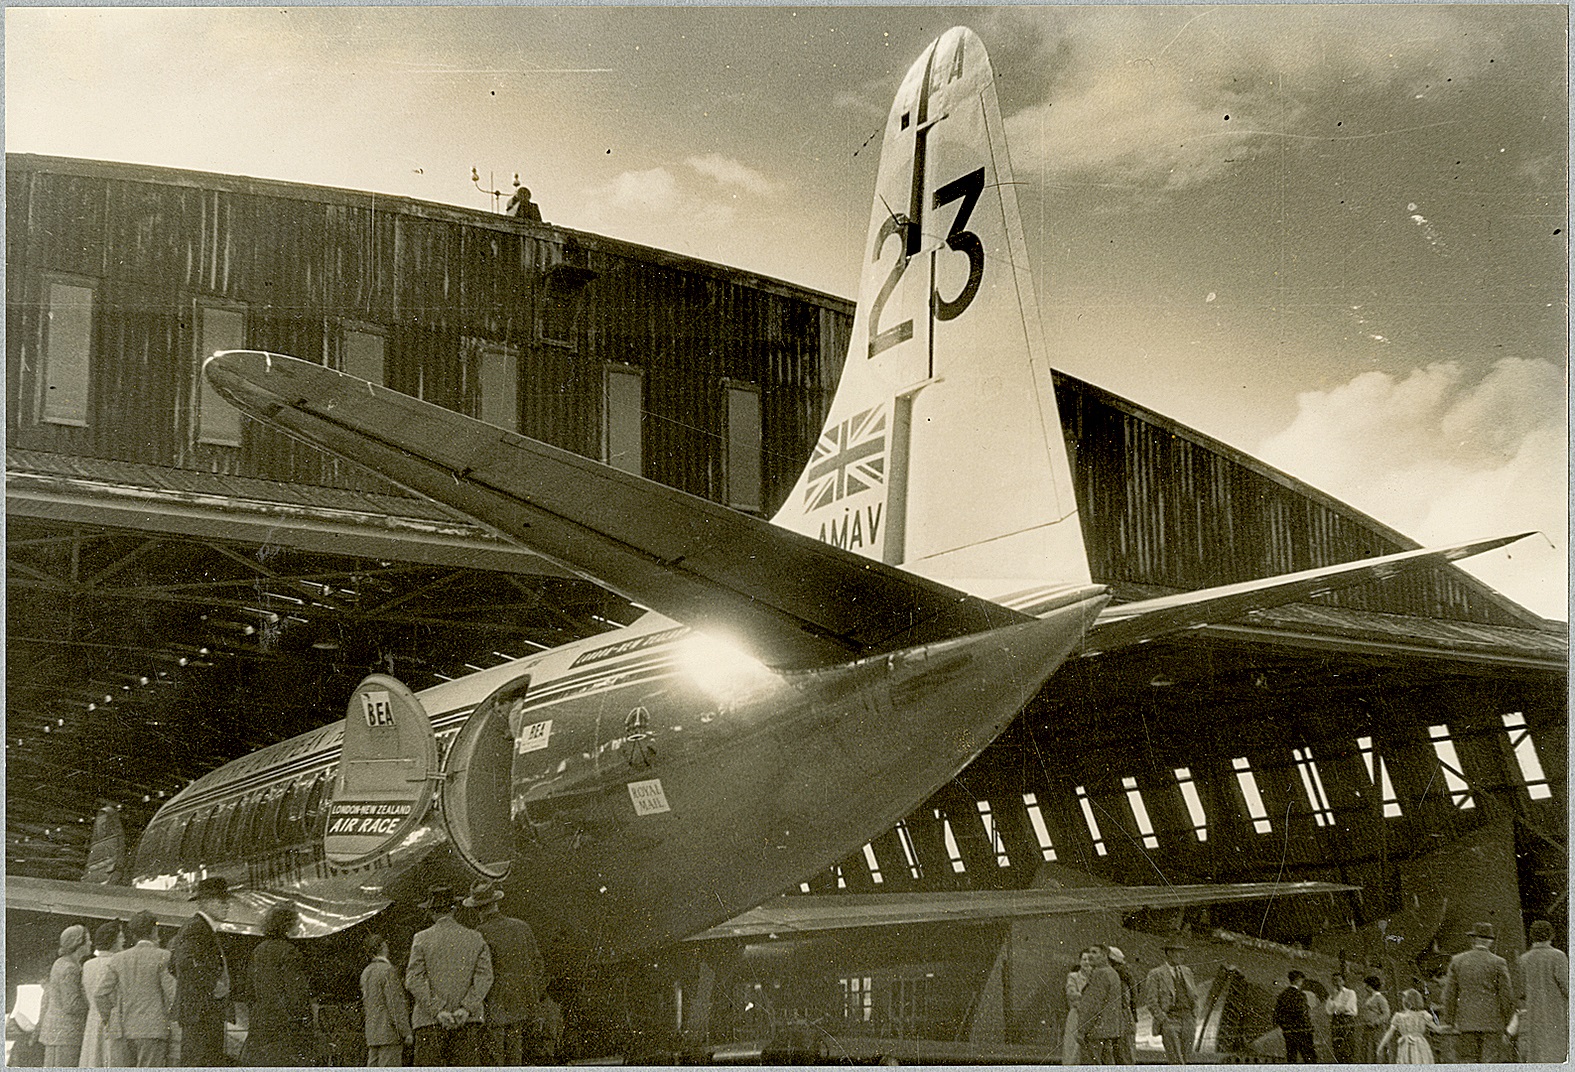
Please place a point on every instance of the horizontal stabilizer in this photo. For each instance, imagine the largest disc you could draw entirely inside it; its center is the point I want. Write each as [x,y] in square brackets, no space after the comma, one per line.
[799,913]
[1132,623]
[791,601]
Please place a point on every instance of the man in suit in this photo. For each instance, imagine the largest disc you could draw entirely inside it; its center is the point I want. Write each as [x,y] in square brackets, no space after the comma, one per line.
[1293,1017]
[202,977]
[1170,992]
[518,979]
[1101,1009]
[135,996]
[449,974]
[383,1007]
[1125,1045]
[1479,998]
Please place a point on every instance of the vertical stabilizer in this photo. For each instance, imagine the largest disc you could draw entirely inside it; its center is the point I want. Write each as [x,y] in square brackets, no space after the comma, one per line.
[943,451]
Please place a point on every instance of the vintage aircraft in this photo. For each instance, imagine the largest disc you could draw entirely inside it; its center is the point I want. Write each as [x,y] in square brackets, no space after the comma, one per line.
[798,685]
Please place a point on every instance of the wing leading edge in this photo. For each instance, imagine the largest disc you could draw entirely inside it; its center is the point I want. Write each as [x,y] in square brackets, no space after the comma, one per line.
[790,600]
[797,914]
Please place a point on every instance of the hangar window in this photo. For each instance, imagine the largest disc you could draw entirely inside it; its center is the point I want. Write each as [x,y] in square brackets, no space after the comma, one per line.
[497,378]
[909,853]
[561,296]
[1036,819]
[1526,756]
[993,834]
[363,355]
[1093,823]
[1449,760]
[1250,795]
[1317,799]
[858,998]
[217,328]
[1140,813]
[742,464]
[623,416]
[68,347]
[1378,775]
[1194,803]
[874,864]
[952,852]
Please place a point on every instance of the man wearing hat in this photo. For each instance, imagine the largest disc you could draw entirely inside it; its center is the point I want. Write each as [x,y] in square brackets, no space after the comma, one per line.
[518,979]
[1170,992]
[448,975]
[202,977]
[1479,998]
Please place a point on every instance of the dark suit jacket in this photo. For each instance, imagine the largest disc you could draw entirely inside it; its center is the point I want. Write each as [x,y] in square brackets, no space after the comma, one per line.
[1101,1010]
[197,963]
[518,978]
[1290,1010]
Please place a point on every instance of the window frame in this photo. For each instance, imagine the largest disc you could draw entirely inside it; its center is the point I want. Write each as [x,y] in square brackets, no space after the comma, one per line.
[50,280]
[730,387]
[609,370]
[201,390]
[347,328]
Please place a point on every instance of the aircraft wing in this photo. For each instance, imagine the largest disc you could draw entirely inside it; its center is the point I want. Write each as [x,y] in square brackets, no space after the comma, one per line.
[1131,623]
[790,600]
[797,913]
[247,909]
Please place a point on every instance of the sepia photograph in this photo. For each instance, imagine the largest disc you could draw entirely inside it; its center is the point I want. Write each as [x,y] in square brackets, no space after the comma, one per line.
[756,535]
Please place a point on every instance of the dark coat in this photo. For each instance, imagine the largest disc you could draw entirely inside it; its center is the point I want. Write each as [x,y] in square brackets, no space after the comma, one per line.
[518,977]
[1101,1009]
[197,963]
[280,1029]
[1290,1010]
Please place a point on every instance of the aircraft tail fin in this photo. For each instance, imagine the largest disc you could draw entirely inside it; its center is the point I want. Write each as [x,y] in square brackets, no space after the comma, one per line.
[943,451]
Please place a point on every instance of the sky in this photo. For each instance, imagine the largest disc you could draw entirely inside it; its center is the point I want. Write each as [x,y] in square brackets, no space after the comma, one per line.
[1332,236]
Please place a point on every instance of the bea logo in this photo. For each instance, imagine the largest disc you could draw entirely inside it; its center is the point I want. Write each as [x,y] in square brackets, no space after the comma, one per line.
[377,708]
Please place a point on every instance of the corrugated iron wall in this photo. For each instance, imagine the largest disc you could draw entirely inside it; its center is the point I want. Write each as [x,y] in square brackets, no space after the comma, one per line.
[1167,507]
[307,264]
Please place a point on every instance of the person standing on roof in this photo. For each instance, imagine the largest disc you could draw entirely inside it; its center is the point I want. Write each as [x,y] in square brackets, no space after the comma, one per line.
[521,207]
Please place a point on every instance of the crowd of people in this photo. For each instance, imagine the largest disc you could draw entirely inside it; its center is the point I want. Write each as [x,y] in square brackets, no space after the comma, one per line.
[1480,1014]
[466,996]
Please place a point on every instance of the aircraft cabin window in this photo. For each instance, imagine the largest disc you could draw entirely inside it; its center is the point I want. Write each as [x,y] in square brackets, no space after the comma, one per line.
[1525,751]
[874,864]
[217,328]
[191,844]
[993,835]
[68,348]
[1036,818]
[742,464]
[268,832]
[314,803]
[1140,813]
[1317,799]
[1194,803]
[909,853]
[623,416]
[1449,760]
[218,831]
[1249,793]
[1378,775]
[1093,823]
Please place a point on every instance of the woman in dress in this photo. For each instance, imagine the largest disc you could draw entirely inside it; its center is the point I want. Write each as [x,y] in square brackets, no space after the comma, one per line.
[280,1031]
[1076,980]
[107,941]
[1408,1031]
[63,1016]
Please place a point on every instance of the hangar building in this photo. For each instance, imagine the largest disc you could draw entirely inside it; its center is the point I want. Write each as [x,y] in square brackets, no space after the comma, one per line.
[185,587]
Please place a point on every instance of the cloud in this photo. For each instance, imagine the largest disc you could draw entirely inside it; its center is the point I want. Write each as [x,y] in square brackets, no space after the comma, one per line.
[729,172]
[1169,98]
[1442,458]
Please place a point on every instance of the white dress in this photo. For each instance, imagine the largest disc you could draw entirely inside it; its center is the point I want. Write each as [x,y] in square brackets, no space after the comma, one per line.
[95,1047]
[1411,1048]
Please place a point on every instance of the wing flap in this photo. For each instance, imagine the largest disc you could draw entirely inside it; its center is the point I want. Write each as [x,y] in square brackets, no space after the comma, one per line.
[791,600]
[800,914]
[1131,623]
